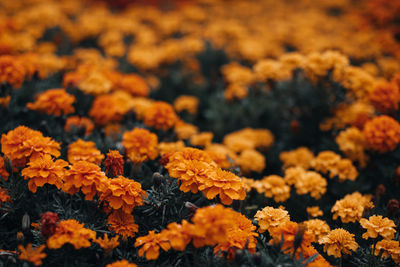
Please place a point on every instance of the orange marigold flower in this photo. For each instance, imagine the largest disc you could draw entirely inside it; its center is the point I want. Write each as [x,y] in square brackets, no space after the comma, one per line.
[32,255]
[314,211]
[122,224]
[352,143]
[274,186]
[236,91]
[71,232]
[251,160]
[306,181]
[385,97]
[43,170]
[179,235]
[300,157]
[55,102]
[338,242]
[377,225]
[332,163]
[201,139]
[133,84]
[249,138]
[84,176]
[106,109]
[222,155]
[95,83]
[79,122]
[3,172]
[123,193]
[382,133]
[227,185]
[269,218]
[4,197]
[5,101]
[121,263]
[185,130]
[317,229]
[160,115]
[114,163]
[140,145]
[151,244]
[22,143]
[84,151]
[12,71]
[186,103]
[351,207]
[170,147]
[390,248]
[108,244]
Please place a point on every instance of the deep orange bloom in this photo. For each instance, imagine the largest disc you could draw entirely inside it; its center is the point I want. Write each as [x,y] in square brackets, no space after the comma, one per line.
[71,232]
[390,248]
[55,102]
[43,170]
[123,193]
[338,242]
[114,163]
[106,109]
[79,122]
[12,71]
[122,224]
[314,211]
[121,263]
[4,197]
[385,97]
[151,244]
[108,244]
[186,103]
[3,172]
[84,151]
[160,115]
[32,255]
[270,218]
[140,145]
[133,84]
[382,133]
[179,235]
[317,228]
[377,225]
[351,207]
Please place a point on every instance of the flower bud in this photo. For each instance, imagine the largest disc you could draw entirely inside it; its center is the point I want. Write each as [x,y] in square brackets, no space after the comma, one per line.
[158,179]
[26,222]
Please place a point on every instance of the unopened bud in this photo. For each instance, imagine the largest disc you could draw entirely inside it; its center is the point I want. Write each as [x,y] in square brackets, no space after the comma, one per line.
[158,179]
[192,207]
[26,222]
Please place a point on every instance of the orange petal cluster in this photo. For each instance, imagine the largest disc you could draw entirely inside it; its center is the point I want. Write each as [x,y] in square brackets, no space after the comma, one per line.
[140,145]
[55,102]
[382,133]
[84,151]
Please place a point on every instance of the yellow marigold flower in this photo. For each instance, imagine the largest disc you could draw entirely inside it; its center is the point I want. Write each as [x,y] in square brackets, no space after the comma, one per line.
[382,133]
[12,71]
[179,235]
[133,84]
[79,122]
[84,176]
[108,244]
[201,139]
[71,232]
[151,244]
[390,248]
[32,255]
[22,143]
[55,102]
[106,109]
[351,207]
[121,263]
[160,115]
[300,157]
[123,193]
[222,155]
[140,145]
[186,103]
[3,172]
[338,242]
[95,83]
[249,138]
[170,147]
[332,163]
[317,229]
[114,163]
[385,97]
[314,211]
[352,143]
[43,170]
[84,151]
[227,185]
[251,160]
[235,91]
[185,130]
[377,225]
[274,186]
[122,224]
[269,218]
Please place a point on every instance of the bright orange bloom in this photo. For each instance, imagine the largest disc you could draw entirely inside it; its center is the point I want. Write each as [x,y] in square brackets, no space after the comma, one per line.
[122,224]
[338,242]
[300,157]
[71,232]
[43,170]
[186,103]
[79,122]
[11,71]
[185,130]
[22,143]
[317,229]
[84,176]
[306,181]
[377,225]
[227,185]
[251,160]
[114,163]
[106,109]
[123,193]
[32,255]
[160,115]
[4,197]
[273,186]
[140,145]
[84,151]
[55,102]
[314,211]
[170,147]
[351,207]
[121,263]
[133,84]
[108,244]
[179,235]
[382,133]
[3,172]
[5,101]
[151,244]
[201,139]
[390,248]
[269,218]
[249,138]
[330,162]
[385,97]
[222,155]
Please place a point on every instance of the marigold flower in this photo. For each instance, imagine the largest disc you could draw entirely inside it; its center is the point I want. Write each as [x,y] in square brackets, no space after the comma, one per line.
[48,222]
[269,218]
[84,176]
[332,163]
[179,235]
[11,71]
[32,255]
[133,84]
[300,157]
[251,160]
[160,115]
[317,228]
[185,130]
[140,145]
[238,74]
[186,103]
[95,83]
[385,97]
[55,102]
[352,143]
[338,242]
[236,91]
[123,193]
[351,207]
[314,211]
[3,172]
[114,163]
[4,197]
[151,244]
[201,139]
[122,224]
[106,109]
[71,232]
[390,248]
[249,138]
[274,186]
[79,122]
[22,143]
[382,133]
[306,181]
[121,263]
[108,244]
[5,101]
[84,151]
[43,170]
[377,225]
[170,147]
[222,155]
